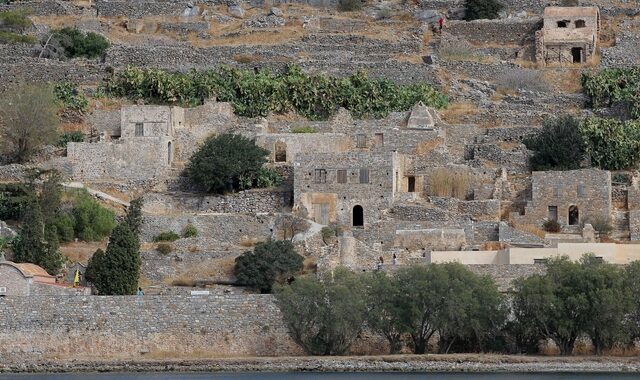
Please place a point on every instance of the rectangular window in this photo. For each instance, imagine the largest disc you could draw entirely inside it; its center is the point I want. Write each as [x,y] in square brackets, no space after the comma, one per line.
[364,175]
[553,213]
[580,190]
[342,176]
[540,261]
[379,139]
[139,129]
[361,141]
[320,176]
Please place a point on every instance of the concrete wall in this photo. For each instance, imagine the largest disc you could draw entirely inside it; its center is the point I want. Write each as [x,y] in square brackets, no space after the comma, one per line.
[125,327]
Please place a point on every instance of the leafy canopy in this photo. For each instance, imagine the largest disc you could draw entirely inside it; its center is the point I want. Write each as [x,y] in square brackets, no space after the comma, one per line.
[268,263]
[482,9]
[558,146]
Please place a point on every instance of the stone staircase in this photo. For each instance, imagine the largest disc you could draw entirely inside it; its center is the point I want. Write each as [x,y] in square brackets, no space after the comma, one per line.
[620,224]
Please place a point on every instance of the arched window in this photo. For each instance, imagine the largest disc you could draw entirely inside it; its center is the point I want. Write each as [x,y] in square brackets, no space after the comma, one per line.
[358,216]
[574,216]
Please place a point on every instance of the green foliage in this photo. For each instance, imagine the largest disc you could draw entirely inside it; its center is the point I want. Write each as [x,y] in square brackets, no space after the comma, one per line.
[116,271]
[612,144]
[325,315]
[15,20]
[349,5]
[306,129]
[229,162]
[68,137]
[67,94]
[189,231]
[268,263]
[384,309]
[166,236]
[609,86]
[573,299]
[76,43]
[65,226]
[329,232]
[259,93]
[14,38]
[482,9]
[551,226]
[14,199]
[165,248]
[266,177]
[558,146]
[134,215]
[92,221]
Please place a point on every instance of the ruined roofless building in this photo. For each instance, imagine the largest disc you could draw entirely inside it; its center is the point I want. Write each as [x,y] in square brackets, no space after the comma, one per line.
[569,35]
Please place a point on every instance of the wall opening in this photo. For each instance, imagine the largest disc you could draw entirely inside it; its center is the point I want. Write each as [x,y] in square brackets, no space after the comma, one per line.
[169,153]
[580,24]
[553,213]
[574,215]
[411,184]
[139,129]
[364,175]
[321,213]
[358,216]
[563,23]
[576,54]
[379,139]
[342,176]
[281,151]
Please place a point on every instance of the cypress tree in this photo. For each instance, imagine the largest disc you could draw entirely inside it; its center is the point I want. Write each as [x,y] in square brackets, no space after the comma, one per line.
[134,216]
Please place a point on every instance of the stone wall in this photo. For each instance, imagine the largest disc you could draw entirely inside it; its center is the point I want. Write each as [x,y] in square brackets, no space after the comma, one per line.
[250,201]
[45,7]
[89,327]
[500,32]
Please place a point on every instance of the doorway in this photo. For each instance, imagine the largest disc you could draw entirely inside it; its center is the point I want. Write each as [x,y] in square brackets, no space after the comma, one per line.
[411,184]
[358,216]
[574,216]
[576,53]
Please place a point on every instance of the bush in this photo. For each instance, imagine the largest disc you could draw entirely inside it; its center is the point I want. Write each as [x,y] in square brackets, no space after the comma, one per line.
[92,221]
[165,248]
[76,43]
[70,97]
[609,86]
[15,20]
[166,236]
[448,183]
[551,226]
[558,146]
[268,263]
[600,223]
[14,199]
[68,137]
[189,231]
[65,226]
[349,5]
[13,38]
[259,93]
[306,129]
[612,144]
[482,9]
[228,162]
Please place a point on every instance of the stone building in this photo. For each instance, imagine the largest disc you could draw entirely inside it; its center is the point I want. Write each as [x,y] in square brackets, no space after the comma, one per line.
[20,279]
[569,197]
[569,35]
[349,189]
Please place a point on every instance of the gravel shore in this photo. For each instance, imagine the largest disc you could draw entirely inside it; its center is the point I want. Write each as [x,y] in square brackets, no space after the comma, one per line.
[397,363]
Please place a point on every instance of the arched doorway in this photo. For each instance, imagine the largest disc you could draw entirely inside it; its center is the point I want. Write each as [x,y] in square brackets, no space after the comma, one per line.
[574,215]
[169,153]
[281,151]
[358,216]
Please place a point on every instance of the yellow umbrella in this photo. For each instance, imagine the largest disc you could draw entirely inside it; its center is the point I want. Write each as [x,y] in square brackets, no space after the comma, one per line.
[76,279]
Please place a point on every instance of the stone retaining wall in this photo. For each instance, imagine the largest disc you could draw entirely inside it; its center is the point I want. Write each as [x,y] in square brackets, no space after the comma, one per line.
[92,327]
[251,201]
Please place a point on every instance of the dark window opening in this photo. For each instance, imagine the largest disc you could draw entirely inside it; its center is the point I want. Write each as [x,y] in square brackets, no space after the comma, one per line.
[361,141]
[364,175]
[553,213]
[169,153]
[580,24]
[342,176]
[540,261]
[563,23]
[139,129]
[281,152]
[358,216]
[574,216]
[320,176]
[411,184]
[576,53]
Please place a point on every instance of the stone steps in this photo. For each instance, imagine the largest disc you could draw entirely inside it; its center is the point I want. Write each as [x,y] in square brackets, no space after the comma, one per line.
[620,224]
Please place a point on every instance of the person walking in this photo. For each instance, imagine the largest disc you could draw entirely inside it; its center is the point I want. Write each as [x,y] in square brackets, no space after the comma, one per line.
[140,292]
[395,259]
[440,24]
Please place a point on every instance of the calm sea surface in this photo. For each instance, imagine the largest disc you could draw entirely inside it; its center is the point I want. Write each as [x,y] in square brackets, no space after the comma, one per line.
[325,376]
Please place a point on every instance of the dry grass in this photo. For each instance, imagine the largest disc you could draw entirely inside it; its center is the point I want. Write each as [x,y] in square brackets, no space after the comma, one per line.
[456,113]
[493,246]
[408,58]
[448,183]
[82,251]
[514,80]
[219,269]
[529,228]
[427,146]
[247,241]
[564,79]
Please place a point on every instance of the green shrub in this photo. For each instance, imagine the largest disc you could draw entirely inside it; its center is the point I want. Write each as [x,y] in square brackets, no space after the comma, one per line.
[349,5]
[65,226]
[609,86]
[92,221]
[558,146]
[166,236]
[14,199]
[258,93]
[306,129]
[76,43]
[13,38]
[552,226]
[17,19]
[268,263]
[165,248]
[67,94]
[482,9]
[612,144]
[189,231]
[68,137]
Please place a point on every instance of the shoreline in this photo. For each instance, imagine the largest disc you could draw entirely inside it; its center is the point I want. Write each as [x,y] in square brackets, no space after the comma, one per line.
[395,363]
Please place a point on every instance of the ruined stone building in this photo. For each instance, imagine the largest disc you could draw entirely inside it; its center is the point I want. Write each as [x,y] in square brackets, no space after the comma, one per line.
[569,35]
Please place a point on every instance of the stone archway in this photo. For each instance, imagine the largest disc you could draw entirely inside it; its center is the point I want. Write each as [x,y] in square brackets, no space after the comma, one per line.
[358,216]
[574,215]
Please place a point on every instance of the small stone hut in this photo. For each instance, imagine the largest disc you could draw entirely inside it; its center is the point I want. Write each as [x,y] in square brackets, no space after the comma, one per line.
[569,35]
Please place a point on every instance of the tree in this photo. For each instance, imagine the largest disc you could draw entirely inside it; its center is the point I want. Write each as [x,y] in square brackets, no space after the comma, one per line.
[324,315]
[134,215]
[50,196]
[383,314]
[116,271]
[558,146]
[225,163]
[72,43]
[269,262]
[482,9]
[632,284]
[28,120]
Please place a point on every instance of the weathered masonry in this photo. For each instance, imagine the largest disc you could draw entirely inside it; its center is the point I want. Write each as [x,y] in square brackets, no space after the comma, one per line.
[569,35]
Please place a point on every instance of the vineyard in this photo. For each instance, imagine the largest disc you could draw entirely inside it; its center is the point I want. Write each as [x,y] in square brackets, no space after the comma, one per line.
[257,93]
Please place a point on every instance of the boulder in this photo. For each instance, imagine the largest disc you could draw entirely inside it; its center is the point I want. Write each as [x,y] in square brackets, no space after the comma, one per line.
[236,11]
[6,232]
[277,11]
[428,16]
[191,11]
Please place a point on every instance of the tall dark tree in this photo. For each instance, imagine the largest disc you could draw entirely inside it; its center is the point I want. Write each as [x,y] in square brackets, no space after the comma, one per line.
[226,163]
[134,215]
[268,263]
[559,145]
[116,271]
